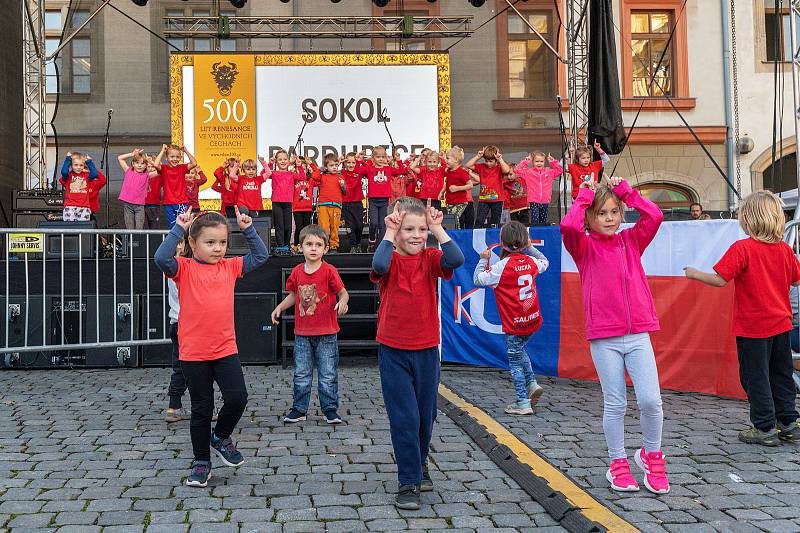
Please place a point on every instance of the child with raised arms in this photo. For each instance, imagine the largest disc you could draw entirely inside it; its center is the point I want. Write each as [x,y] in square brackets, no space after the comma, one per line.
[764,268]
[353,207]
[378,192]
[285,173]
[459,182]
[173,181]
[539,181]
[76,173]
[249,197]
[205,279]
[583,169]
[619,315]
[491,172]
[226,183]
[407,273]
[329,198]
[194,180]
[134,187]
[513,279]
[318,296]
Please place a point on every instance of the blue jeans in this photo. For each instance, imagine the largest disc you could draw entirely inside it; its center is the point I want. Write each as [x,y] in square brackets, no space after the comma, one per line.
[520,365]
[410,385]
[171,212]
[324,351]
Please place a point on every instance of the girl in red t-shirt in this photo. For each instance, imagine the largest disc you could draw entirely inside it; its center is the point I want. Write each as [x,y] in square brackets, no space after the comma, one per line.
[206,336]
[227,185]
[586,169]
[459,182]
[491,172]
[249,195]
[194,179]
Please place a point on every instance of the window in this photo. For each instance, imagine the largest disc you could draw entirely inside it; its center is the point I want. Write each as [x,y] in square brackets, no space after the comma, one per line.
[650,31]
[531,65]
[71,71]
[667,195]
[778,35]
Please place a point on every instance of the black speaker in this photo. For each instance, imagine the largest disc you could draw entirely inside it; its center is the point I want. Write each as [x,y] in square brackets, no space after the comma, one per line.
[449,221]
[139,244]
[237,243]
[31,219]
[71,248]
[256,337]
[38,200]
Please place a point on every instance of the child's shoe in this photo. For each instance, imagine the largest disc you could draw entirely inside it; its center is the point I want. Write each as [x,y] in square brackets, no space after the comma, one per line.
[789,433]
[655,471]
[407,497]
[371,247]
[226,450]
[756,436]
[333,251]
[200,474]
[426,485]
[176,415]
[619,475]
[356,249]
[535,392]
[332,417]
[520,407]
[294,416]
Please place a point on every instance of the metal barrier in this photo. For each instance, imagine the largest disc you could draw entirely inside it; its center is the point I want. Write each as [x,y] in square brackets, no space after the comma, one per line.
[104,276]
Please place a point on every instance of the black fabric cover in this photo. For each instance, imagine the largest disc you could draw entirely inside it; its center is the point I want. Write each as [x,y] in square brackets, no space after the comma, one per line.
[605,113]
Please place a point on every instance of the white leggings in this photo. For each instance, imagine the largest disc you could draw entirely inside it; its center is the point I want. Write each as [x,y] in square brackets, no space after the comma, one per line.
[634,353]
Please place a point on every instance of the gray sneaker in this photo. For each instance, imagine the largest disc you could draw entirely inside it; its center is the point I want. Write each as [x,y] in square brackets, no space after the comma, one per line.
[764,438]
[426,485]
[535,392]
[790,432]
[407,497]
[519,408]
[176,415]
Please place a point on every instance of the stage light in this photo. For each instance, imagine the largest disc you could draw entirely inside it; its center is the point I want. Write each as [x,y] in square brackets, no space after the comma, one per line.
[238,3]
[141,3]
[477,3]
[380,3]
[335,1]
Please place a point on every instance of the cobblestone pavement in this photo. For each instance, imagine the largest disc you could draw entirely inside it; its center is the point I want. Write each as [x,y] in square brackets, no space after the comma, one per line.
[718,483]
[87,450]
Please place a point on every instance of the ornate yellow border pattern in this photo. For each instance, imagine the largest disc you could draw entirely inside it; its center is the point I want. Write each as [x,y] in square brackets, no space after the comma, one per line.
[440,59]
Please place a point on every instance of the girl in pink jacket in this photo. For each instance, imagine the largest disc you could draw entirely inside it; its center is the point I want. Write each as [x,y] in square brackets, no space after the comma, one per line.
[619,314]
[539,181]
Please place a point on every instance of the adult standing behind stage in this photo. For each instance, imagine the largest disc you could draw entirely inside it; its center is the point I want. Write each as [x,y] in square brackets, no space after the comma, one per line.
[696,210]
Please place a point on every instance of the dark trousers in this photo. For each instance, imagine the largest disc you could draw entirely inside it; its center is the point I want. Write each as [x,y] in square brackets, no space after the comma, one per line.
[539,213]
[492,210]
[354,219]
[282,219]
[152,216]
[301,220]
[410,383]
[765,370]
[523,215]
[377,212]
[437,204]
[467,218]
[230,211]
[177,383]
[200,376]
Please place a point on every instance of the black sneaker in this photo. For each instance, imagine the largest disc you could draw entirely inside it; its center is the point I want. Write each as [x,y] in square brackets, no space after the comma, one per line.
[226,450]
[294,416]
[790,432]
[332,417]
[426,485]
[764,438]
[407,497]
[200,474]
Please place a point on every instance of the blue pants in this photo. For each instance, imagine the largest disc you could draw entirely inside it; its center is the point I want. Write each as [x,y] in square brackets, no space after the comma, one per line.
[171,212]
[324,351]
[410,384]
[520,365]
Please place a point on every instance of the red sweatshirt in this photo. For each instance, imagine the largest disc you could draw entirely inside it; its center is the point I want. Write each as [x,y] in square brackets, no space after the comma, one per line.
[228,196]
[249,194]
[193,189]
[352,181]
[330,186]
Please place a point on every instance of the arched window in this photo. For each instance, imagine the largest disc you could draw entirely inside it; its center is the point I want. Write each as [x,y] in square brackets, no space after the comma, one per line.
[667,195]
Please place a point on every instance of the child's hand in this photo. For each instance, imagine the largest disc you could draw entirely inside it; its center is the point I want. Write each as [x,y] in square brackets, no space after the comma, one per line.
[276,315]
[486,254]
[598,147]
[588,185]
[433,216]
[690,272]
[340,308]
[88,157]
[550,158]
[441,195]
[262,161]
[528,158]
[499,156]
[69,154]
[244,220]
[613,181]
[184,220]
[453,188]
[480,152]
[395,219]
[163,147]
[183,149]
[360,156]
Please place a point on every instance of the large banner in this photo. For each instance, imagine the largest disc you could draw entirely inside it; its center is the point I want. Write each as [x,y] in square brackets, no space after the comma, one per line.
[695,349]
[249,105]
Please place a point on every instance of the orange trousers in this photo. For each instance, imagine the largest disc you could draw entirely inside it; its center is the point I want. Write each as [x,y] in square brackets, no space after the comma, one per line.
[330,218]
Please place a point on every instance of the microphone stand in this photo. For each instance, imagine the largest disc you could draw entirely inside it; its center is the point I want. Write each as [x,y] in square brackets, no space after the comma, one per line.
[385,119]
[104,163]
[564,148]
[298,145]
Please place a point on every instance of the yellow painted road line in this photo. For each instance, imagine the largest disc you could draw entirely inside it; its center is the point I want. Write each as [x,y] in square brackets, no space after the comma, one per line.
[590,508]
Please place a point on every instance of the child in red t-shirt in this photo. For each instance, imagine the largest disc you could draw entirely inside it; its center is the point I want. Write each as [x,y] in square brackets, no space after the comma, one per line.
[173,181]
[194,179]
[513,279]
[206,336]
[329,199]
[407,273]
[302,206]
[313,288]
[77,172]
[764,267]
[249,197]
[353,205]
[431,176]
[378,191]
[517,198]
[226,183]
[459,182]
[152,202]
[492,172]
[586,169]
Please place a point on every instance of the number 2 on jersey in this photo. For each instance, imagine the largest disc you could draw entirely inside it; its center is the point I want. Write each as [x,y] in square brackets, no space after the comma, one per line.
[526,287]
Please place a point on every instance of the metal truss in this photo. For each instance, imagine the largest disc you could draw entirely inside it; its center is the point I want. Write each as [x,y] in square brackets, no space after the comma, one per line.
[319,27]
[34,93]
[794,18]
[577,25]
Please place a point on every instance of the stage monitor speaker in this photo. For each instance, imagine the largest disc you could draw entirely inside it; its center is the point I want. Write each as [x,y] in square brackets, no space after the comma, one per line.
[77,317]
[139,244]
[71,248]
[38,200]
[256,337]
[31,219]
[449,221]
[237,243]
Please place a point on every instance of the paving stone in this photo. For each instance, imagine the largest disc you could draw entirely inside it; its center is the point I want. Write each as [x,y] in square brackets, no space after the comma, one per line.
[30,521]
[115,518]
[76,518]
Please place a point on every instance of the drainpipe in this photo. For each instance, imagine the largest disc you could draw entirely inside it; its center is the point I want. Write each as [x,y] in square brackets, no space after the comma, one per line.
[730,157]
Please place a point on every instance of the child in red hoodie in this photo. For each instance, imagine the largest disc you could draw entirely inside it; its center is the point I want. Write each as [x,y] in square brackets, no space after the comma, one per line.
[76,173]
[249,196]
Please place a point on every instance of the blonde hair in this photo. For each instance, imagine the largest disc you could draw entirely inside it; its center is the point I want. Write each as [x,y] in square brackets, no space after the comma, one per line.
[601,196]
[538,154]
[761,216]
[456,152]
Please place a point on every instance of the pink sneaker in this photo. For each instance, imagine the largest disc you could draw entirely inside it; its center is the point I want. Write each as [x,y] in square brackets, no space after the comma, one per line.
[655,471]
[619,475]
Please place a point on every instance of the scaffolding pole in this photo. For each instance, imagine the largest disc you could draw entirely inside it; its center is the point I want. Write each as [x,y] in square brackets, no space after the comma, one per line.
[793,20]
[35,133]
[578,71]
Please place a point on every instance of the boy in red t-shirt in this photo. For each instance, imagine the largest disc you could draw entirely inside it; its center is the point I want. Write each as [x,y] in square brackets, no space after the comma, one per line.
[459,182]
[313,288]
[517,198]
[152,202]
[329,200]
[491,172]
[77,172]
[586,169]
[353,206]
[407,273]
[173,181]
[249,193]
[764,268]
[379,191]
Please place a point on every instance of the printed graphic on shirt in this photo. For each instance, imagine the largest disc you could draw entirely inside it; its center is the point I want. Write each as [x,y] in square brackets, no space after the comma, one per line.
[488,193]
[517,191]
[380,177]
[78,184]
[304,192]
[309,298]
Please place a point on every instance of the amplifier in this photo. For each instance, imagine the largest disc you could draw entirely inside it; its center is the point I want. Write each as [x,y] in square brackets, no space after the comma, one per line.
[31,219]
[71,249]
[38,200]
[237,244]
